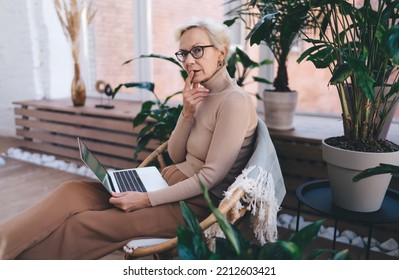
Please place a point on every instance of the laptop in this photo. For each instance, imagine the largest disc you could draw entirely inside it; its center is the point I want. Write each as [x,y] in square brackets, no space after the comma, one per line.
[142,179]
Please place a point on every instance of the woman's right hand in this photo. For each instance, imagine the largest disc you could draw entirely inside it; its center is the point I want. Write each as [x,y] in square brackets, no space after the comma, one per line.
[193,93]
[130,201]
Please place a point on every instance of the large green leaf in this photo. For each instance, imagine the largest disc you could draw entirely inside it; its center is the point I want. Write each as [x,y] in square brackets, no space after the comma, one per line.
[341,73]
[142,143]
[245,60]
[190,219]
[342,255]
[317,253]
[144,85]
[393,90]
[262,80]
[262,29]
[365,81]
[383,168]
[305,236]
[391,40]
[229,231]
[281,250]
[191,246]
[224,250]
[230,22]
[231,65]
[143,114]
[163,57]
[320,54]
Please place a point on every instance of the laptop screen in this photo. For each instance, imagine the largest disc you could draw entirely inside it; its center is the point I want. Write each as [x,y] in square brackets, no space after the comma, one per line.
[98,169]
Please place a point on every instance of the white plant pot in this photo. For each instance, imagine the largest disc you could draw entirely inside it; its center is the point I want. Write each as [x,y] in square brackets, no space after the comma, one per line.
[365,195]
[279,109]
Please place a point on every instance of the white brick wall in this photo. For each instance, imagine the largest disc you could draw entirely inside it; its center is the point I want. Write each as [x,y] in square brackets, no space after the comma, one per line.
[28,69]
[16,76]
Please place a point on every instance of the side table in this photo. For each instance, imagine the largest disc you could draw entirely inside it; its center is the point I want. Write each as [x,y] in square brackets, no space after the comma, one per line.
[317,195]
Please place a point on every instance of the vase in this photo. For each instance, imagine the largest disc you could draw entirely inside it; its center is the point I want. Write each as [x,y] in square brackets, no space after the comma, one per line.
[78,89]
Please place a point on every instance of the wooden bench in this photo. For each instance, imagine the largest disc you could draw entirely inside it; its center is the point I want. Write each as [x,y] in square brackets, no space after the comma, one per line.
[51,126]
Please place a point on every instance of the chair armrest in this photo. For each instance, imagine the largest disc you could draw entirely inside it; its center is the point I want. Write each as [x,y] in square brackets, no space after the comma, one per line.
[156,154]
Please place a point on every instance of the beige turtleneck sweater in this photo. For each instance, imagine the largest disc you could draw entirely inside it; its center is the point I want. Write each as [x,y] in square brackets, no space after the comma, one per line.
[215,144]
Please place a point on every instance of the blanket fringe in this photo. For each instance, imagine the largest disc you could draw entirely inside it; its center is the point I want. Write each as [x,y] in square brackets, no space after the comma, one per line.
[262,204]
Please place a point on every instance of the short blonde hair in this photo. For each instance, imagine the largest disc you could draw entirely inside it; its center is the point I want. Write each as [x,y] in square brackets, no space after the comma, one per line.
[219,34]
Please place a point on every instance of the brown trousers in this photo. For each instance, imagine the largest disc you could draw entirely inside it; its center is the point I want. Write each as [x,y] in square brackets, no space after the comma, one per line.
[76,221]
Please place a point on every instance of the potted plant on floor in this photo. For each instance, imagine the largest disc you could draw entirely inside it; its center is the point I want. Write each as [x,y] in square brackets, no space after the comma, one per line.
[359,45]
[279,23]
[234,246]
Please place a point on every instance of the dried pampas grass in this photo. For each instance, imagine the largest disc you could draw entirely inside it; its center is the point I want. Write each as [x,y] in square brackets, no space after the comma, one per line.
[70,17]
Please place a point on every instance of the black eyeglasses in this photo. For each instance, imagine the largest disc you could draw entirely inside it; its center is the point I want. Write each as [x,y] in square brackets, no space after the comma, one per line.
[196,52]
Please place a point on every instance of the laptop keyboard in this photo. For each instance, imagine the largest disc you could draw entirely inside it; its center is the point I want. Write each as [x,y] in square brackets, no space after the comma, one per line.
[129,180]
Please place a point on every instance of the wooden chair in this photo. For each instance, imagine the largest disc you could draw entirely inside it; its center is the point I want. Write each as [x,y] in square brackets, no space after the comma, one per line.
[264,155]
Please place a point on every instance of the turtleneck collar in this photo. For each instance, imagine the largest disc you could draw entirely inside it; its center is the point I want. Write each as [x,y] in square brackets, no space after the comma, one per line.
[219,81]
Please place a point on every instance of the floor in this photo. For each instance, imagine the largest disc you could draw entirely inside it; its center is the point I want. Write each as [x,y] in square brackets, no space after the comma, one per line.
[21,185]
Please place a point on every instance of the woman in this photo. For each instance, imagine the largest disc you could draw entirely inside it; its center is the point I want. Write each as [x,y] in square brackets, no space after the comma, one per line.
[213,139]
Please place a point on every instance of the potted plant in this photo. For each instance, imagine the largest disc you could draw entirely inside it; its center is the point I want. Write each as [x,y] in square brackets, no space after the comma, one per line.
[192,244]
[279,23]
[359,45]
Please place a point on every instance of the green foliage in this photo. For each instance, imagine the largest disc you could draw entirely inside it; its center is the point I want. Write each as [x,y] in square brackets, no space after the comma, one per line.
[157,117]
[239,66]
[278,24]
[192,245]
[359,45]
[158,120]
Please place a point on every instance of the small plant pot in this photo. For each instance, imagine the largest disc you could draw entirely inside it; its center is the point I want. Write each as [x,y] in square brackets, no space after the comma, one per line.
[280,109]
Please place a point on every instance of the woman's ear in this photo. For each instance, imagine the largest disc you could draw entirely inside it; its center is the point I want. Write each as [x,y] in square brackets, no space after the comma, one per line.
[222,55]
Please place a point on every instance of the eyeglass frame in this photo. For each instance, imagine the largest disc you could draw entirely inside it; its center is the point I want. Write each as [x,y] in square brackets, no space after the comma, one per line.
[180,52]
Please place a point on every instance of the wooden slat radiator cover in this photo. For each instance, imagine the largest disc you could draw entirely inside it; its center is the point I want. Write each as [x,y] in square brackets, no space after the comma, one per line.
[52,126]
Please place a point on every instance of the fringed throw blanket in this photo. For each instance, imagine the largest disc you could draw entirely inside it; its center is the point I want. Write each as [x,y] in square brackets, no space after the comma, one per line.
[262,203]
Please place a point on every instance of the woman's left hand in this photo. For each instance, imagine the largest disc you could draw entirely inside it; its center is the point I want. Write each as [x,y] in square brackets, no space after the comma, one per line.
[130,201]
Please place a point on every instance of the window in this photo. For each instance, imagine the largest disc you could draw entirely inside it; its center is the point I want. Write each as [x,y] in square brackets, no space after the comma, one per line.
[166,17]
[112,42]
[126,29]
